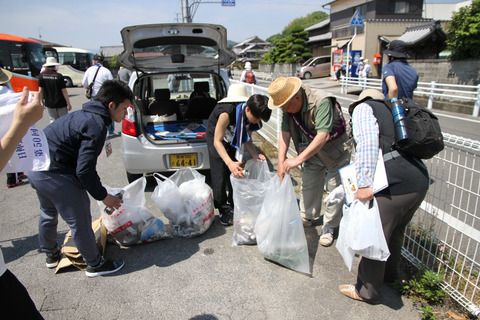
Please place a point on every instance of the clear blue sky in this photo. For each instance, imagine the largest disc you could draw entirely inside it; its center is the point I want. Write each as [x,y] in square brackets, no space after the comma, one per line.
[90,24]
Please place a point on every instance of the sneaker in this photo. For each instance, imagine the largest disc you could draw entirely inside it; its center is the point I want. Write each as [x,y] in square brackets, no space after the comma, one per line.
[106,266]
[326,239]
[307,222]
[52,259]
[12,180]
[226,219]
[21,176]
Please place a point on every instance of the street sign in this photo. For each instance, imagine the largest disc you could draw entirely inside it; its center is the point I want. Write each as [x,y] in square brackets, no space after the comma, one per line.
[228,3]
[356,20]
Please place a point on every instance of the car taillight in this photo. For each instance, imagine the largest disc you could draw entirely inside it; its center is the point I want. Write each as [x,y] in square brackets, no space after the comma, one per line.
[128,127]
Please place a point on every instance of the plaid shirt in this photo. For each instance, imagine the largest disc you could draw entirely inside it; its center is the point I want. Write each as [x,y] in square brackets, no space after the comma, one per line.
[365,133]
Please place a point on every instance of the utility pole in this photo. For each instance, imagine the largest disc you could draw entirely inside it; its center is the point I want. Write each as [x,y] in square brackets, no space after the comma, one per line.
[188,10]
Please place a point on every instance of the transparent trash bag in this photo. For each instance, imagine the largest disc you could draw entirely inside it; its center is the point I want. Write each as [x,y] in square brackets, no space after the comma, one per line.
[361,233]
[279,228]
[248,196]
[132,223]
[186,200]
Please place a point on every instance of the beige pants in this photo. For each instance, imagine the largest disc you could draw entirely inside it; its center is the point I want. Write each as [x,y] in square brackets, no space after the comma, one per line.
[315,177]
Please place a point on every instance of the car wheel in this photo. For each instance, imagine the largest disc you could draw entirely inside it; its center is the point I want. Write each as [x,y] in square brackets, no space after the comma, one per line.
[68,82]
[307,75]
[133,176]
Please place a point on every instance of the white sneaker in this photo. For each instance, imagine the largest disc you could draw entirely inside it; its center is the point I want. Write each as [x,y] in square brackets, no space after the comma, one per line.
[326,239]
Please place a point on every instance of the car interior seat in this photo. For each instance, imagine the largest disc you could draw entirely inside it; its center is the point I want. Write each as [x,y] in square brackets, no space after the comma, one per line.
[163,105]
[200,104]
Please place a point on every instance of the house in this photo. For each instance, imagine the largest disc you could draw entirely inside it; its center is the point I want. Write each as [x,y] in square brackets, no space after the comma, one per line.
[320,38]
[383,21]
[442,11]
[251,49]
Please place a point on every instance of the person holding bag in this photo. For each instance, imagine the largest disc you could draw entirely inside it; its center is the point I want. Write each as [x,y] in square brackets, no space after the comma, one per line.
[372,124]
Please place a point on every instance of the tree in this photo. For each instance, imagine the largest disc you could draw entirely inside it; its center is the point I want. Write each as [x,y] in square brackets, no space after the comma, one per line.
[463,37]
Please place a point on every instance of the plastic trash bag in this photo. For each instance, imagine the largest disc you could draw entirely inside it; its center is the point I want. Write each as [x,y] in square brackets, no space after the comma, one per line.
[132,223]
[248,195]
[279,228]
[186,201]
[361,233]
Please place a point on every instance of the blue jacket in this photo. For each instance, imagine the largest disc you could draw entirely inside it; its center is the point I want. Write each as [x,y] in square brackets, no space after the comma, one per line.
[75,141]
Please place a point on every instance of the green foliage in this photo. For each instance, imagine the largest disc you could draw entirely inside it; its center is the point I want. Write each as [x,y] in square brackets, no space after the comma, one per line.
[424,287]
[428,313]
[463,37]
[290,45]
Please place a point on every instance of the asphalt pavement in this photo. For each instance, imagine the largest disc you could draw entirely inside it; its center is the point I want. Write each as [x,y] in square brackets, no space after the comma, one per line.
[179,278]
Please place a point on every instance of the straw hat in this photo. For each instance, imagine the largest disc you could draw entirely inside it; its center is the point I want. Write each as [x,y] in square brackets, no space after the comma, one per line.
[5,75]
[51,62]
[282,90]
[236,93]
[365,60]
[366,95]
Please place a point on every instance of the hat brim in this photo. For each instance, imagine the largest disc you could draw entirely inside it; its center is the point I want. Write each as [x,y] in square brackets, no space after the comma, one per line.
[396,54]
[296,86]
[234,99]
[378,96]
[51,64]
[5,75]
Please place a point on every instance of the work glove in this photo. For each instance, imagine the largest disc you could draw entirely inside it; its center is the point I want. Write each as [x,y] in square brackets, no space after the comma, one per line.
[336,195]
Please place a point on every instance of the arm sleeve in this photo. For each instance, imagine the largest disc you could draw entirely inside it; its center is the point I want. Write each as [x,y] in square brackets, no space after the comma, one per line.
[324,116]
[365,133]
[93,139]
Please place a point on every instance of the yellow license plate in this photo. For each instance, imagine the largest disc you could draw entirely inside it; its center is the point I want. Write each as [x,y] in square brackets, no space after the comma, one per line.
[183,160]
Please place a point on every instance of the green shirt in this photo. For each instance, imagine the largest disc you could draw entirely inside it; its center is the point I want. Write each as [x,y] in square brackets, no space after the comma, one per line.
[323,117]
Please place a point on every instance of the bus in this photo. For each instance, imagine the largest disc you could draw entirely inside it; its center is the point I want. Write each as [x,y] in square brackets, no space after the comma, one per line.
[24,57]
[74,62]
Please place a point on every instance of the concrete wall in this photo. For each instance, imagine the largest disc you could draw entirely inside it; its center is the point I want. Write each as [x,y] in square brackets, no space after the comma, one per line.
[465,72]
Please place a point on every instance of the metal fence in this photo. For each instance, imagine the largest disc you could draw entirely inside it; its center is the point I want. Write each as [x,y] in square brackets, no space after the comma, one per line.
[444,235]
[431,90]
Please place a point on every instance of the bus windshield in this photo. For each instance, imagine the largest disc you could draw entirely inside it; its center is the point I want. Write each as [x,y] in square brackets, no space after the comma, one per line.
[36,57]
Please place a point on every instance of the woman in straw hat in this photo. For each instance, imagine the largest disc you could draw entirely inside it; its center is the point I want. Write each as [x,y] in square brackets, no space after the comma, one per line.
[53,90]
[229,128]
[408,183]
[313,121]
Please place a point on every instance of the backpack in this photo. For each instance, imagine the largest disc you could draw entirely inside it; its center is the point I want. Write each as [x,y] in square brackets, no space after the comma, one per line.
[425,136]
[249,77]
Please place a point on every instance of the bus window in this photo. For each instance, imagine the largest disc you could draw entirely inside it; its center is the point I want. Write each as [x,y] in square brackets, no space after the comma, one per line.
[74,62]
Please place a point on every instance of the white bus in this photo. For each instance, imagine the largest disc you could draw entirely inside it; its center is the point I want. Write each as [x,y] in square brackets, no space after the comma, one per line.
[74,62]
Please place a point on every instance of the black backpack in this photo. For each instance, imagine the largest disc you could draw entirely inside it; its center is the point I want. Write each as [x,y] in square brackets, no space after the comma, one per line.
[425,136]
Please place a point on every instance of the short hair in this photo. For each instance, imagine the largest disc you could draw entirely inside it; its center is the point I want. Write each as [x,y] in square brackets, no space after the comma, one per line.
[113,91]
[258,105]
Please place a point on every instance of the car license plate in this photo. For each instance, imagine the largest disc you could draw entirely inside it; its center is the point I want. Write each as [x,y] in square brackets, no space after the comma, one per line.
[183,160]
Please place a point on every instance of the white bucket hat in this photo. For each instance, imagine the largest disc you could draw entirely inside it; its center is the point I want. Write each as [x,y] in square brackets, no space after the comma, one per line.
[51,62]
[236,93]
[282,90]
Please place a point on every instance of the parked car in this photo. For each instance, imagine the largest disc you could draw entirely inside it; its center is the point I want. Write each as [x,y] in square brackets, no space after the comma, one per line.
[179,75]
[315,67]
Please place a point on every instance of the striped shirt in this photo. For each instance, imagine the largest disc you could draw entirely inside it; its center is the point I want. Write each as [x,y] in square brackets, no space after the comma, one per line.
[366,135]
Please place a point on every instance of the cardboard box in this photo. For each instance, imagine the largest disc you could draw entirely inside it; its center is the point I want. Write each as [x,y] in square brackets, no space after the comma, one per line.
[70,254]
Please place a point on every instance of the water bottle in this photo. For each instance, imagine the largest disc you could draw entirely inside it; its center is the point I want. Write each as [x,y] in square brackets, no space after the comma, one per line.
[108,210]
[398,112]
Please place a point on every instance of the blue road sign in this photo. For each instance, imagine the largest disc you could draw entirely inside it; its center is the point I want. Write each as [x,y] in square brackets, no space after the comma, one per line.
[228,3]
[356,20]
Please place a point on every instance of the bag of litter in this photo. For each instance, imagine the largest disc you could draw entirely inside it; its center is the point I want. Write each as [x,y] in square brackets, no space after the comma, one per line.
[132,223]
[279,227]
[186,200]
[248,195]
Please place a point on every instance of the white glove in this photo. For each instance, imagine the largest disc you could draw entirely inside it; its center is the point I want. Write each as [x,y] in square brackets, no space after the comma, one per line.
[336,196]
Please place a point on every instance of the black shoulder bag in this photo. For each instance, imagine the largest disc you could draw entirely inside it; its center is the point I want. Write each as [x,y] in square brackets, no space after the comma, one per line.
[88,91]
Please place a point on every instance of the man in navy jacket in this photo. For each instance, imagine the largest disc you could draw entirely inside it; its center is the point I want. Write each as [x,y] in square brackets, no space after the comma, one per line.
[75,141]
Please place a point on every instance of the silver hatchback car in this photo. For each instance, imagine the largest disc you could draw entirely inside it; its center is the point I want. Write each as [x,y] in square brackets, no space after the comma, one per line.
[178,78]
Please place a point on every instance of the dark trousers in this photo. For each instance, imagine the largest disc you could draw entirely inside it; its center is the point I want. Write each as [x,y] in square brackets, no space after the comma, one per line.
[395,213]
[221,185]
[14,297]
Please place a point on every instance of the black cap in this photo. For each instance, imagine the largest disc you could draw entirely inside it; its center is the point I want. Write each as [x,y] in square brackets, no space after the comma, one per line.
[397,49]
[98,57]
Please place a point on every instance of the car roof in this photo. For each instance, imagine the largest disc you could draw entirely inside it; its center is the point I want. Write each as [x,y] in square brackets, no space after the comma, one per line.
[175,47]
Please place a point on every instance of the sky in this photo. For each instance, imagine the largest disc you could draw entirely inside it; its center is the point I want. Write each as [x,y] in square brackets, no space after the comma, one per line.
[91,24]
